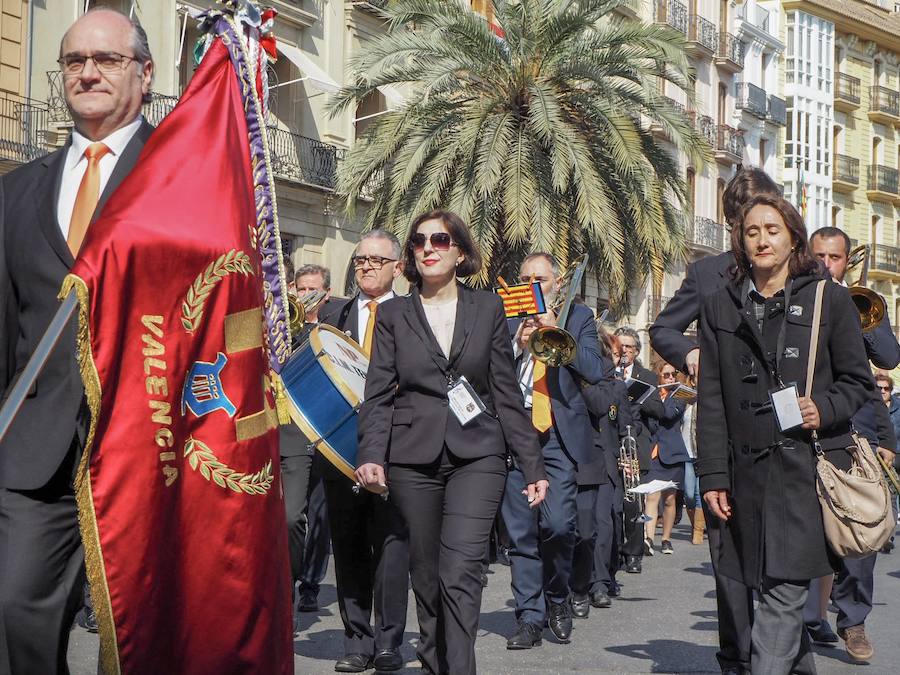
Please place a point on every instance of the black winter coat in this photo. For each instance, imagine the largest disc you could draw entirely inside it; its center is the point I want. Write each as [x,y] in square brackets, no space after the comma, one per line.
[776,527]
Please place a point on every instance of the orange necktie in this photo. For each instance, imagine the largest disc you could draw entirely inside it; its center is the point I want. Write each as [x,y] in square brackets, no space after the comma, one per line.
[87,197]
[370,328]
[540,398]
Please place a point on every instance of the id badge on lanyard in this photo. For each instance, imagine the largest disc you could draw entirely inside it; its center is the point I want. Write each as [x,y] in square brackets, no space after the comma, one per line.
[465,404]
[785,397]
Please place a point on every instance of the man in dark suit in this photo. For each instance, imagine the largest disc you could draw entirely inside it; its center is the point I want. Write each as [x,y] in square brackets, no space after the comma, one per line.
[304,497]
[47,206]
[542,547]
[854,583]
[648,413]
[369,537]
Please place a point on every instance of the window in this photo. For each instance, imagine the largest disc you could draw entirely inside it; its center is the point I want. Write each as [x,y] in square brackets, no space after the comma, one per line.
[875,230]
[836,216]
[723,98]
[691,185]
[720,193]
[763,151]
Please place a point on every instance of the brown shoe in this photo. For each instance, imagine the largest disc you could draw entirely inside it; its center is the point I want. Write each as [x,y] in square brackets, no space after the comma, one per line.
[856,643]
[699,526]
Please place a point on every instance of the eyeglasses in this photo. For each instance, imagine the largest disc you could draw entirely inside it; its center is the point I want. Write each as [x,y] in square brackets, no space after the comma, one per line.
[440,241]
[887,388]
[667,374]
[376,262]
[630,348]
[106,62]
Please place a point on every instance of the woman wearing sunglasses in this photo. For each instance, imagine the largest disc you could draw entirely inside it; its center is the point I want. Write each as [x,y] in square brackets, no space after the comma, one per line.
[442,406]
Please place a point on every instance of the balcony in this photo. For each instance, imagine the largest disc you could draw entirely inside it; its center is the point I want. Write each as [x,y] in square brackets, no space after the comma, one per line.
[703,38]
[883,184]
[656,304]
[629,8]
[777,113]
[656,128]
[672,13]
[706,126]
[884,262]
[23,126]
[705,233]
[751,99]
[371,6]
[884,105]
[729,147]
[845,176]
[846,92]
[305,160]
[756,16]
[730,54]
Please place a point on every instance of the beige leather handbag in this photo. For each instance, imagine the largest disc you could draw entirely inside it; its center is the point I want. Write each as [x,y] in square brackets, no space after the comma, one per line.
[855,504]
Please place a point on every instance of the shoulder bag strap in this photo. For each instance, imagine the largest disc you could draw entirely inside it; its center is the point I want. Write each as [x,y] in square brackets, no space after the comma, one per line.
[814,348]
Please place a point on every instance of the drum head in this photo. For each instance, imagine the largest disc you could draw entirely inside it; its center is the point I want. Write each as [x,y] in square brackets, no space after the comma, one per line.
[342,359]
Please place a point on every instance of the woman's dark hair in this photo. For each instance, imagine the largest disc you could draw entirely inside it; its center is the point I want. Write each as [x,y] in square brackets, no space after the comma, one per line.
[459,233]
[801,262]
[744,186]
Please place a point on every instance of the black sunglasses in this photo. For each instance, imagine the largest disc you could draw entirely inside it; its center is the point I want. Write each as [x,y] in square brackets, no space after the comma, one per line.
[440,241]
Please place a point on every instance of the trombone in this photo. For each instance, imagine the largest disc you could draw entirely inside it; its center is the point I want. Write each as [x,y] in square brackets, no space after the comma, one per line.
[301,307]
[890,474]
[869,304]
[554,345]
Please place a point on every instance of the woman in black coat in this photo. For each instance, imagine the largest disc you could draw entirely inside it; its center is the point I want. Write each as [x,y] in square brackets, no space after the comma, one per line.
[445,473]
[758,479]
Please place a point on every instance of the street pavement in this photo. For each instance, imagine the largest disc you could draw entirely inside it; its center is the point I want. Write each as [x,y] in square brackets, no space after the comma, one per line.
[665,622]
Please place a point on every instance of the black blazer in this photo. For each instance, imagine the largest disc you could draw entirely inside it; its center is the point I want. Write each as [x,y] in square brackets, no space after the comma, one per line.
[34,259]
[703,278]
[668,433]
[611,416]
[405,418]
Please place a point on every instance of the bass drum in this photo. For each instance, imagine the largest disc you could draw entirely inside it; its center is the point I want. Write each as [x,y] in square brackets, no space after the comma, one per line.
[324,381]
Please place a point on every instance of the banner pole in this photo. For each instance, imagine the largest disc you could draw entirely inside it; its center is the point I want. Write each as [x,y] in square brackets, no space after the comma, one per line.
[36,362]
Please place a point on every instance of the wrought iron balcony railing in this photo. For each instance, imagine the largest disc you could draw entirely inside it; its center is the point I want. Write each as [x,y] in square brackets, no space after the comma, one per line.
[751,98]
[705,232]
[883,179]
[756,15]
[846,169]
[885,258]
[703,32]
[884,100]
[777,111]
[731,50]
[846,88]
[656,304]
[729,140]
[303,159]
[672,13]
[23,123]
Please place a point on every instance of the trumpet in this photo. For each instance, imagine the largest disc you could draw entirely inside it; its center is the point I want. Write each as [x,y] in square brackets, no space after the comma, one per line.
[300,308]
[630,465]
[890,474]
[554,345]
[869,304]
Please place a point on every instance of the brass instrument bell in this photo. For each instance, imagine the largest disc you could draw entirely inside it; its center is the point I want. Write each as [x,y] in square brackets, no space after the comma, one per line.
[869,304]
[300,308]
[553,345]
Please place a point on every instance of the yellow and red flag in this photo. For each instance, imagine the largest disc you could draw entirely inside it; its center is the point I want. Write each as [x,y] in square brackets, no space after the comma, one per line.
[520,300]
[181,325]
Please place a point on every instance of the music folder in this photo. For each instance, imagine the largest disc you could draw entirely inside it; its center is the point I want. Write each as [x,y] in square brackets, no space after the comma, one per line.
[638,390]
[680,391]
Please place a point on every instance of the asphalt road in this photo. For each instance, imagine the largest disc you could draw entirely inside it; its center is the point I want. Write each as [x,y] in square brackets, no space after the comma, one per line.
[665,622]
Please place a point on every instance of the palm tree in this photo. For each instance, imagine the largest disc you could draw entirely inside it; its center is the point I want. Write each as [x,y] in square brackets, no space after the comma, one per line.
[534,129]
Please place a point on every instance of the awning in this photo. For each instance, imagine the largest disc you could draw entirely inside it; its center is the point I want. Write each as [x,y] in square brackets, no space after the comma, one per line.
[312,74]
[393,96]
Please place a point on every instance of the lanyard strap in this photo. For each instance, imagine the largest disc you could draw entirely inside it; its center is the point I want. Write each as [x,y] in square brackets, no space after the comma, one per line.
[782,332]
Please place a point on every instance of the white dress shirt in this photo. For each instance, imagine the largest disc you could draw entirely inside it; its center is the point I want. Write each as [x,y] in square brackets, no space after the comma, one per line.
[76,165]
[362,311]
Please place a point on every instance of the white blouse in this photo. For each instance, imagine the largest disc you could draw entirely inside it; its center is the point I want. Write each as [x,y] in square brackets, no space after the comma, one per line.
[442,319]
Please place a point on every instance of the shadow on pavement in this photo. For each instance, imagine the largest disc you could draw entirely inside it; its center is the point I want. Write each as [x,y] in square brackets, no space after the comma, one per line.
[671,656]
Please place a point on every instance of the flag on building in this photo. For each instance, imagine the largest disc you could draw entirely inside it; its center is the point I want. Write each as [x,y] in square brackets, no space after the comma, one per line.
[181,326]
[802,193]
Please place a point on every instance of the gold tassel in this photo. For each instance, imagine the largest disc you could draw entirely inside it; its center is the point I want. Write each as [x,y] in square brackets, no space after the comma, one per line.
[281,402]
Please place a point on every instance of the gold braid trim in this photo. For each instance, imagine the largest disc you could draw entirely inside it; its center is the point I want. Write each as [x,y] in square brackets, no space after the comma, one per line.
[87,517]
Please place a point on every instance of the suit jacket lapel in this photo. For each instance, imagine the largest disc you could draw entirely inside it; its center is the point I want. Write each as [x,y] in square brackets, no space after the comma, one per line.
[124,165]
[415,317]
[465,317]
[47,197]
[351,325]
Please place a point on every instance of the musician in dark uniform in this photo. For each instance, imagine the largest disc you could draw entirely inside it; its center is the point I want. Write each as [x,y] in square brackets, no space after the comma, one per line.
[599,500]
[854,582]
[704,277]
[369,537]
[648,412]
[443,437]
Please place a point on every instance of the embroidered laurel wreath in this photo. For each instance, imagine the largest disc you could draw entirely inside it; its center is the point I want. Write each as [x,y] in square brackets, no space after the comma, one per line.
[228,263]
[203,459]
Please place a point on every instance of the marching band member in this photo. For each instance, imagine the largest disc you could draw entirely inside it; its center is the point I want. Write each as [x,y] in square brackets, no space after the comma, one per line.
[648,412]
[369,537]
[854,582]
[734,601]
[668,461]
[441,409]
[758,479]
[541,548]
[596,557]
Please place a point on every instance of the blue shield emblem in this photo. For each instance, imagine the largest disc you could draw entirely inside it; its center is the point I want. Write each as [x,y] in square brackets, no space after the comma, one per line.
[202,392]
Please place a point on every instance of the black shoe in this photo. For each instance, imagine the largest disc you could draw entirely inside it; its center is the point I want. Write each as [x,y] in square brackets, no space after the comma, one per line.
[309,601]
[666,547]
[822,633]
[503,556]
[633,564]
[581,606]
[889,546]
[528,636]
[484,580]
[387,660]
[600,599]
[614,590]
[648,546]
[560,621]
[89,621]
[353,663]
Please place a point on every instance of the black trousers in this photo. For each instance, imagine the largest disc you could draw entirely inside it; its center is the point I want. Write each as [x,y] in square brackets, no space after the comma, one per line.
[634,529]
[318,531]
[295,479]
[853,590]
[370,542]
[596,557]
[734,605]
[450,508]
[41,575]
